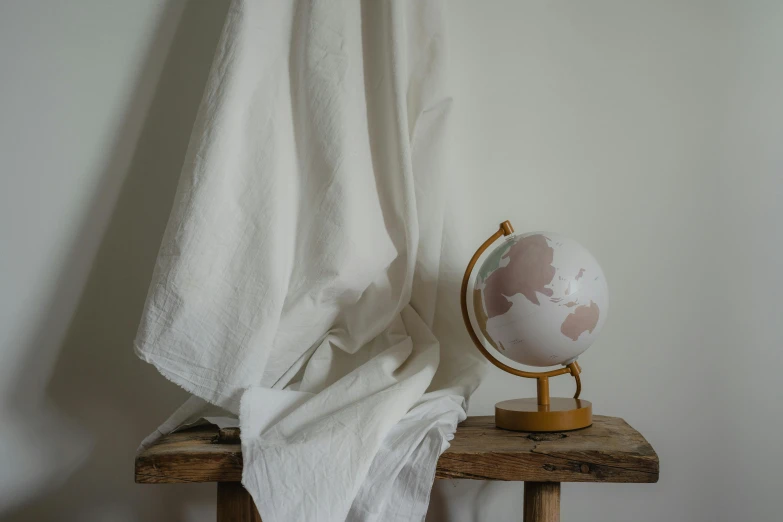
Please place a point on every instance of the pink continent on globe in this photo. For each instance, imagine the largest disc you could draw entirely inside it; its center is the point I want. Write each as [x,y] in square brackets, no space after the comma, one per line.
[528,271]
[583,319]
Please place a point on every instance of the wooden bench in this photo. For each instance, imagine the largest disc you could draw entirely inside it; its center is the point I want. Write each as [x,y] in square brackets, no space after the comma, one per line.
[608,451]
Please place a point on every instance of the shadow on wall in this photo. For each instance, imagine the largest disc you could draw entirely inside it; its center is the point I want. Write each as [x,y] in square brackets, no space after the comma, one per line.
[98,382]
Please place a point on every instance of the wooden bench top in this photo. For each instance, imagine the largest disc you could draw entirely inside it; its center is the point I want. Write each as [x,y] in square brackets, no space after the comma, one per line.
[608,451]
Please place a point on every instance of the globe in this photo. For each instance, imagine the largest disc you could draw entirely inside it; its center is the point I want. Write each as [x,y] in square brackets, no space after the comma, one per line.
[540,299]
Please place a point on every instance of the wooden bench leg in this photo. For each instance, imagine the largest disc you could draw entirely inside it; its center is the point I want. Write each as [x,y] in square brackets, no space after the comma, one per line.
[542,502]
[234,504]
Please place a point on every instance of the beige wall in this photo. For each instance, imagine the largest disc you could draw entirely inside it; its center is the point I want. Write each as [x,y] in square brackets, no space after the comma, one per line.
[649,131]
[97,99]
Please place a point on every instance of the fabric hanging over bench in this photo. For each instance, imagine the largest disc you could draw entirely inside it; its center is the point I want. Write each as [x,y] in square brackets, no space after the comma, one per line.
[297,284]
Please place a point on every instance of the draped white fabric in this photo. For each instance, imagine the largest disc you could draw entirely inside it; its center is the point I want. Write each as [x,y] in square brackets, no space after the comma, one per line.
[298,277]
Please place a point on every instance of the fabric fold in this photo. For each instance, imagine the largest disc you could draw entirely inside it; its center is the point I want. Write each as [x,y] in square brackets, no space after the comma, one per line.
[297,283]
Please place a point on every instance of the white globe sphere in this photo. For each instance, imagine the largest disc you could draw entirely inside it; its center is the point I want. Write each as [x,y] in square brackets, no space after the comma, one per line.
[540,299]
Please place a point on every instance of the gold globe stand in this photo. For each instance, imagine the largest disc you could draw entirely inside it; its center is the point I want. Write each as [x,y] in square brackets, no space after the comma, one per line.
[542,413]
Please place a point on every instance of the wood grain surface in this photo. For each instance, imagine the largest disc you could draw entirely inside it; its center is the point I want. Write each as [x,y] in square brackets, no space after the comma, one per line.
[608,451]
[542,502]
[234,504]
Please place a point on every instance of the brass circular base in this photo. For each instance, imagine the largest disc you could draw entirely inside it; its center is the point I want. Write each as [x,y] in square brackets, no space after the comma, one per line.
[527,415]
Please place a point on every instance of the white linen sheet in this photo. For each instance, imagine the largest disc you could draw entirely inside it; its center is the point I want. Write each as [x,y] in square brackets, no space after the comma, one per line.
[297,283]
